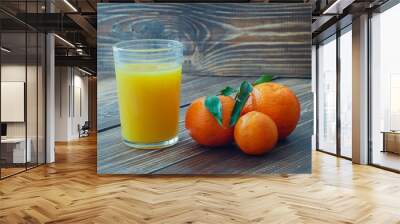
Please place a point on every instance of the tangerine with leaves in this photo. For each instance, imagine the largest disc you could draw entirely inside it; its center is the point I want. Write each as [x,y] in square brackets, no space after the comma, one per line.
[206,129]
[278,102]
[255,133]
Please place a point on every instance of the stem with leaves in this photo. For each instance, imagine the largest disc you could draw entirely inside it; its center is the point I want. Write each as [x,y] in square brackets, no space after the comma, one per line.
[214,106]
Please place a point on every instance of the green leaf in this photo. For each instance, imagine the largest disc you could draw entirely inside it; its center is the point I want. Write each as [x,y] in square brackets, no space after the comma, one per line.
[228,91]
[214,106]
[262,79]
[241,98]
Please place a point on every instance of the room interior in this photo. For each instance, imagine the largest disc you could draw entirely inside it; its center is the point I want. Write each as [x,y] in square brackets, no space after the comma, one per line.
[334,74]
[22,101]
[356,141]
[385,87]
[26,94]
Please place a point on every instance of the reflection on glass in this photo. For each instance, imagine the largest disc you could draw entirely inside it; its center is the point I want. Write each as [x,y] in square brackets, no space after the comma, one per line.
[31,100]
[327,96]
[394,101]
[13,85]
[41,98]
[346,94]
[385,88]
[22,91]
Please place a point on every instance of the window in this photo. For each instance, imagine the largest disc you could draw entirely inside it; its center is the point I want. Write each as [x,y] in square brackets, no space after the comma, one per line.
[346,92]
[334,88]
[385,89]
[22,78]
[327,95]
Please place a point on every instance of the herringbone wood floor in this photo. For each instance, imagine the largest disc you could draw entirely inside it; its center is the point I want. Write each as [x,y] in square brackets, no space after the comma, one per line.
[70,191]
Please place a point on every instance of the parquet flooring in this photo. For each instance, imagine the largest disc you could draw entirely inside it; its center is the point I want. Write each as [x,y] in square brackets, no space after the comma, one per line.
[70,191]
[10,171]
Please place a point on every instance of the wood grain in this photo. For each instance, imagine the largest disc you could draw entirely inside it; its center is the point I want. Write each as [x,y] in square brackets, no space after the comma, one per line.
[108,113]
[187,157]
[219,39]
[70,191]
[192,88]
[223,44]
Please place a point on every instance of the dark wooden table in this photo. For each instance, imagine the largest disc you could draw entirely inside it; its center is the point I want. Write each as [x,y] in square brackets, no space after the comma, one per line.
[391,141]
[187,157]
[224,45]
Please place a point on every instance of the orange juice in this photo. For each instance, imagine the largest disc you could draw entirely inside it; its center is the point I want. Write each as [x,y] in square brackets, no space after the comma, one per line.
[149,101]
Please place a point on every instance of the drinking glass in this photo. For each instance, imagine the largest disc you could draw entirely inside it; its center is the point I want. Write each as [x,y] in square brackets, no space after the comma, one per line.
[149,74]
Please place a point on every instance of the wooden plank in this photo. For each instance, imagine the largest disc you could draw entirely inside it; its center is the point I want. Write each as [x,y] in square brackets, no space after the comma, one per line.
[230,160]
[187,157]
[219,39]
[287,59]
[107,106]
[192,88]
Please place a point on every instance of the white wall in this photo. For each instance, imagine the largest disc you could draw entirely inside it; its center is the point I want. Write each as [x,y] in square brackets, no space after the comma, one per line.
[70,83]
[16,72]
[62,81]
[81,100]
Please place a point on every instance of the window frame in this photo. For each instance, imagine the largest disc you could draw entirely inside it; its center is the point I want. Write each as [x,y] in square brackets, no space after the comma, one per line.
[339,32]
[381,9]
[31,30]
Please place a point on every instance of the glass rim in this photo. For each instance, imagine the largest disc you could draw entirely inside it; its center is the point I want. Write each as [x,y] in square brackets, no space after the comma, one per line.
[120,46]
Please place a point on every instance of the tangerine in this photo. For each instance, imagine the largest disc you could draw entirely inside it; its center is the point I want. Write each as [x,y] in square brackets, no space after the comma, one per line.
[204,128]
[278,102]
[255,133]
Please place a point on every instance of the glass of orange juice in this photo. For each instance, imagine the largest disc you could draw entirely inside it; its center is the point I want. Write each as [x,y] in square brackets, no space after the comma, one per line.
[149,74]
